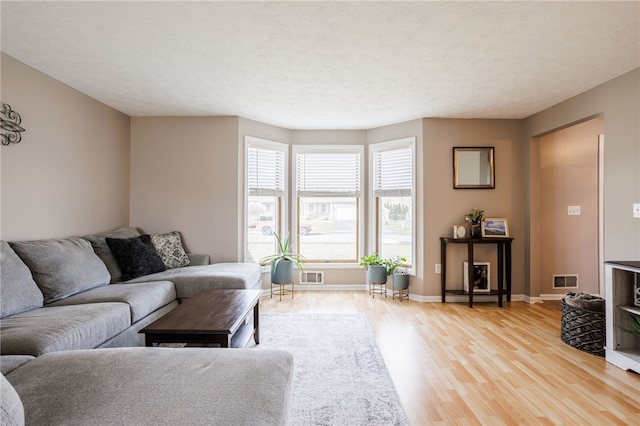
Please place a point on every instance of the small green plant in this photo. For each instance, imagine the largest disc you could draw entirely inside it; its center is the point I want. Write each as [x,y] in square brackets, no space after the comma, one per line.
[394,264]
[285,252]
[372,260]
[474,216]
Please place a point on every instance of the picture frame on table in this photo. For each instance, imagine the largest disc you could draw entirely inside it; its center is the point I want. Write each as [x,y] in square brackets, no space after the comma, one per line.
[495,227]
[459,231]
[481,277]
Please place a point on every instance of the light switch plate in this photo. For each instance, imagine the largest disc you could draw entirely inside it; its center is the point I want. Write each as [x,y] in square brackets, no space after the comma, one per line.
[636,210]
[573,210]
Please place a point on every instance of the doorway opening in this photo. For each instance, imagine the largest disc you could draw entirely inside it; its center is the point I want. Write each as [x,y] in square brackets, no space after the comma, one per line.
[566,209]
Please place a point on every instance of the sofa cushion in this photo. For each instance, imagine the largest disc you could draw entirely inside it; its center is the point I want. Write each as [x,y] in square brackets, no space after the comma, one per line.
[104,252]
[18,291]
[156,386]
[142,298]
[136,256]
[169,248]
[61,328]
[198,259]
[191,280]
[62,267]
[8,363]
[11,409]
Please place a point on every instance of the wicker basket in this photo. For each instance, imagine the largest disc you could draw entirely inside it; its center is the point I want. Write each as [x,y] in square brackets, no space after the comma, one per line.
[583,329]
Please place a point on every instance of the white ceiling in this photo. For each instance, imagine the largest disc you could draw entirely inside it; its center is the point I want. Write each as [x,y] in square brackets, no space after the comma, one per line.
[326,65]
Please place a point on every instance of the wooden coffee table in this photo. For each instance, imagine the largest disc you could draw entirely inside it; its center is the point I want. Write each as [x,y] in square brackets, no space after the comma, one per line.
[212,317]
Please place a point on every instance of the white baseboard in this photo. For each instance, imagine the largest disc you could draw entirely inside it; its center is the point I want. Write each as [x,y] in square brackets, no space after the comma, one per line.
[349,287]
[555,296]
[552,296]
[532,300]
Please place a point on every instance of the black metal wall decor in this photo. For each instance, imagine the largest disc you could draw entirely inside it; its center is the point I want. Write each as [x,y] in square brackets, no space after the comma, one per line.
[10,125]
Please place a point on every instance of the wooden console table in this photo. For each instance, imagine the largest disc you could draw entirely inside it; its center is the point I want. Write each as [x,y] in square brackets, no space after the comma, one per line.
[504,265]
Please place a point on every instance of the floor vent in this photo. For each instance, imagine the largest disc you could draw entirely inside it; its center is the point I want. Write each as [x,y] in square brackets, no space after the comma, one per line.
[565,281]
[312,277]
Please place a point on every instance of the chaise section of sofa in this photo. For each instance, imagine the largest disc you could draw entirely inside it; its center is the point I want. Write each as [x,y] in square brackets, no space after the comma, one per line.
[191,280]
[151,386]
[196,276]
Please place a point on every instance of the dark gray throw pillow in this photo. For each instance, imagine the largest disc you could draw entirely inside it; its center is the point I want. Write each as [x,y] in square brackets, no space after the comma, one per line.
[135,256]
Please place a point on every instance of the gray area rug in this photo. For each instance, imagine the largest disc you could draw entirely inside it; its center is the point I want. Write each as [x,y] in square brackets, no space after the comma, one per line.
[340,377]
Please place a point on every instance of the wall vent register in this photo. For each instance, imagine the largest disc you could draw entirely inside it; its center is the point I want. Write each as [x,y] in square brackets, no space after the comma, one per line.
[312,277]
[565,281]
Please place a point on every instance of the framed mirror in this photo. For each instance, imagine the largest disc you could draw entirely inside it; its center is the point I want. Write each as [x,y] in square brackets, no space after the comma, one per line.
[473,167]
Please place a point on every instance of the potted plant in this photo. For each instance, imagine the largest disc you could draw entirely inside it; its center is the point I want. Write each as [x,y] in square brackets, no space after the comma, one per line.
[282,263]
[633,323]
[474,217]
[400,276]
[376,268]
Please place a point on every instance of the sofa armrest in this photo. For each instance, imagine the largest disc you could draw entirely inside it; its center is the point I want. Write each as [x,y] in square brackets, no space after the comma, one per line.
[198,259]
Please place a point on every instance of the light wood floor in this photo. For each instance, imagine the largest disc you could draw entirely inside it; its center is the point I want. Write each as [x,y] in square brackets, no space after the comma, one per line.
[486,365]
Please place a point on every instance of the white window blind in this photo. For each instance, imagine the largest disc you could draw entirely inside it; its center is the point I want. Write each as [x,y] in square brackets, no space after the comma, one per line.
[330,174]
[393,172]
[265,171]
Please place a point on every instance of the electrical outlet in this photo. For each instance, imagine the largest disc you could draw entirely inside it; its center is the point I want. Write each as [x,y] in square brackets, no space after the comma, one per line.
[636,210]
[438,268]
[573,210]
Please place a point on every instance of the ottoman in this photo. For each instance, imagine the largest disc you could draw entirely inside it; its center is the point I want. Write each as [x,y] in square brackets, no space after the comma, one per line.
[155,386]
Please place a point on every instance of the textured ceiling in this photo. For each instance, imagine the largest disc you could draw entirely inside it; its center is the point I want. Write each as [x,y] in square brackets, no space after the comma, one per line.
[326,65]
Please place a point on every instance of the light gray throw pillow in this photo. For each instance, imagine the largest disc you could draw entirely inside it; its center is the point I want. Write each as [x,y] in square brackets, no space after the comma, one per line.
[169,248]
[62,267]
[18,291]
[100,246]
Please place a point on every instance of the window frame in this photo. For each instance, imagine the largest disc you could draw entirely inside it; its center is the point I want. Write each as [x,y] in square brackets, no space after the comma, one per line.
[373,200]
[282,201]
[360,198]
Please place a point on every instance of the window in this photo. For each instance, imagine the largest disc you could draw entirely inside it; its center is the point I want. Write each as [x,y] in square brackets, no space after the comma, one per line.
[393,193]
[266,189]
[328,209]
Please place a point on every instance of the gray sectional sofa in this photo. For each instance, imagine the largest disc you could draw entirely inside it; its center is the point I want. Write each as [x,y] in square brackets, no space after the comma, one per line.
[65,294]
[60,297]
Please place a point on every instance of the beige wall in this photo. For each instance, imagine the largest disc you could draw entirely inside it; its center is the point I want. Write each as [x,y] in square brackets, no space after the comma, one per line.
[618,101]
[70,174]
[444,206]
[184,177]
[568,163]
